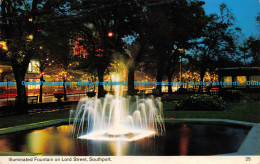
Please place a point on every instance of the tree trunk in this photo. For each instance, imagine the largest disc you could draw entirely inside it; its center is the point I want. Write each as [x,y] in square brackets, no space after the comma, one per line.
[131,78]
[19,71]
[64,89]
[159,78]
[41,85]
[202,74]
[21,101]
[169,80]
[101,92]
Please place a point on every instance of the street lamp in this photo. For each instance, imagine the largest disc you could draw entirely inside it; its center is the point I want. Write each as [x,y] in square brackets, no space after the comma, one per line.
[110,34]
[181,51]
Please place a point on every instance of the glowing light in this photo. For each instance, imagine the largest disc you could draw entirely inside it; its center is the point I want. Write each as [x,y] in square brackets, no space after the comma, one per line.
[123,134]
[41,47]
[30,19]
[110,34]
[30,37]
[34,66]
[79,50]
[3,45]
[181,49]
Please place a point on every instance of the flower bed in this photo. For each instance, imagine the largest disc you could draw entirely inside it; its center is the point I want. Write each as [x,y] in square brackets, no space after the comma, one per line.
[201,103]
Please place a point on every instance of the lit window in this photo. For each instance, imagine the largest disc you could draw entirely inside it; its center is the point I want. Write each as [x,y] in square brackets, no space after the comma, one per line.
[242,81]
[34,66]
[228,80]
[254,80]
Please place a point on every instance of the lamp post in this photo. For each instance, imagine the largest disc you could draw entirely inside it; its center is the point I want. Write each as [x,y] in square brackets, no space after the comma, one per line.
[181,51]
[110,34]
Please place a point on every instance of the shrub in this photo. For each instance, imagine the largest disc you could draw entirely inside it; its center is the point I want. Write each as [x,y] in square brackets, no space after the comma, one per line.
[201,103]
[232,94]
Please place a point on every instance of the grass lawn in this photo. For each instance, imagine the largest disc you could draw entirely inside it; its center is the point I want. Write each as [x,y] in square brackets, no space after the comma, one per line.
[32,118]
[249,112]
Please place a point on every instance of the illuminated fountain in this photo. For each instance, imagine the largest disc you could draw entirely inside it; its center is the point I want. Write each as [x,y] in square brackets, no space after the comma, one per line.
[118,118]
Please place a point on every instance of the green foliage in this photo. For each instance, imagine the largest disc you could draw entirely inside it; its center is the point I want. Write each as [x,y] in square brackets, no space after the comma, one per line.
[250,51]
[232,94]
[217,46]
[201,103]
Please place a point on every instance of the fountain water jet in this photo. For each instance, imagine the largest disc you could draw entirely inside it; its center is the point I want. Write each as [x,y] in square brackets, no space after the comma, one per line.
[118,118]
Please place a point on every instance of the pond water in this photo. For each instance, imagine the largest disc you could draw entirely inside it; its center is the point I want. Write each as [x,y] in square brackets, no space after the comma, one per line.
[180,139]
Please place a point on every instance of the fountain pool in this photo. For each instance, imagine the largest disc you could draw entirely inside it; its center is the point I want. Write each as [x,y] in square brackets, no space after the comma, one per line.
[187,138]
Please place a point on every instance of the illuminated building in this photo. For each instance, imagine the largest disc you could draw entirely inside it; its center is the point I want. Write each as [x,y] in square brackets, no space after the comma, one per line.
[244,76]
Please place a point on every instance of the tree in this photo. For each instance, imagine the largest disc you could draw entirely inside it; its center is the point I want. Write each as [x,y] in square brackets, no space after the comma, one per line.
[171,27]
[20,31]
[118,18]
[258,20]
[59,45]
[217,43]
[43,58]
[136,52]
[25,29]
[250,52]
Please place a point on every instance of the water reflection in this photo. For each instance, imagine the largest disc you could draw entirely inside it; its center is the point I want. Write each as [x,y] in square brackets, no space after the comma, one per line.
[119,148]
[185,134]
[5,144]
[52,140]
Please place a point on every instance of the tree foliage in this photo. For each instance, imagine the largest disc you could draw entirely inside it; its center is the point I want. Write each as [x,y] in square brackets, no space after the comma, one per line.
[217,46]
